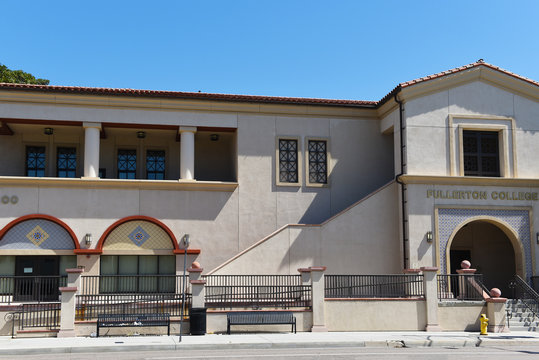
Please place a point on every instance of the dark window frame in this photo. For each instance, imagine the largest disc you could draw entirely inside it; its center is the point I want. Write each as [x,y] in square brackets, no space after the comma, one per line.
[317,162]
[481,153]
[288,171]
[38,163]
[67,166]
[155,169]
[125,168]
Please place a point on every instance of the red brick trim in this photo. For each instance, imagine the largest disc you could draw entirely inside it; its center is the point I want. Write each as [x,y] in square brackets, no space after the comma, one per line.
[199,282]
[88,252]
[75,271]
[318,268]
[189,251]
[304,270]
[496,300]
[44,217]
[68,289]
[195,270]
[428,268]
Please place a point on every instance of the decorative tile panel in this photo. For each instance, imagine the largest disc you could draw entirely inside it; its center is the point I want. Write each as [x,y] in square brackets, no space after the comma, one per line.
[518,220]
[137,235]
[37,234]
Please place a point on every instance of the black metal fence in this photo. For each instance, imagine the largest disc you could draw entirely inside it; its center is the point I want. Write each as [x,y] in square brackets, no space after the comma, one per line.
[461,287]
[89,306]
[257,291]
[374,286]
[130,294]
[128,284]
[30,288]
[44,315]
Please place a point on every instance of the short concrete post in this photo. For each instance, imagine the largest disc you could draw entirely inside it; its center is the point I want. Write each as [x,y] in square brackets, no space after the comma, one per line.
[318,299]
[430,286]
[464,284]
[197,286]
[496,312]
[67,310]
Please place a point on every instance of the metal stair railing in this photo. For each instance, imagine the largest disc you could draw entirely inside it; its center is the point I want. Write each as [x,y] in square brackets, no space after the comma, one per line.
[525,293]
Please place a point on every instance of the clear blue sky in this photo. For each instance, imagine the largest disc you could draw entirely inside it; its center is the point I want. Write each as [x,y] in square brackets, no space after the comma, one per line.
[326,49]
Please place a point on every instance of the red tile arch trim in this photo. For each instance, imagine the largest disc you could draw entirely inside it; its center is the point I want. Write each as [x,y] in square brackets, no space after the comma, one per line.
[43,217]
[99,246]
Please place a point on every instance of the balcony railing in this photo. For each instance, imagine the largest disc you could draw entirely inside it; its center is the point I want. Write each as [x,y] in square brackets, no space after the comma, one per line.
[374,286]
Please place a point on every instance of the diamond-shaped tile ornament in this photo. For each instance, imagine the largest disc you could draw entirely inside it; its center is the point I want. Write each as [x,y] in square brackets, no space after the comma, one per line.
[139,236]
[37,235]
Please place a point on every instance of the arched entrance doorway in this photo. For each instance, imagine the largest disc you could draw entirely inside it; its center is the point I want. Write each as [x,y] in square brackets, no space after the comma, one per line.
[492,249]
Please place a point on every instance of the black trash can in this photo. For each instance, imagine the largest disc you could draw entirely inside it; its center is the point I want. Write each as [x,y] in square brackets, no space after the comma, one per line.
[197,321]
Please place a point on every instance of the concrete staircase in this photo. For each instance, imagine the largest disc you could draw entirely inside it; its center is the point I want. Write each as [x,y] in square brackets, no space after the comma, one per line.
[520,318]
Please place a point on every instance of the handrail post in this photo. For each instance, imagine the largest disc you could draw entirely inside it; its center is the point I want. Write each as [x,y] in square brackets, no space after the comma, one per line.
[67,313]
[430,287]
[305,275]
[463,279]
[318,298]
[197,287]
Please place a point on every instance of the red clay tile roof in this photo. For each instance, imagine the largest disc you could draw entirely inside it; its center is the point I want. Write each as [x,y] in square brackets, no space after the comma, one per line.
[187,95]
[253,98]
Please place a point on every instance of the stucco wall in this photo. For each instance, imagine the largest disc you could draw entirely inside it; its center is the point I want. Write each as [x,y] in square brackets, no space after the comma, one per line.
[460,316]
[360,240]
[375,315]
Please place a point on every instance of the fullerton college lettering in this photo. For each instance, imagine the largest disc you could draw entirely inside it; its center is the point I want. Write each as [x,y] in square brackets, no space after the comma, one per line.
[481,195]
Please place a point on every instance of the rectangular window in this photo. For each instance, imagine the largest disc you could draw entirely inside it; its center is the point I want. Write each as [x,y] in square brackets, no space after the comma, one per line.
[66,162]
[155,165]
[318,163]
[138,274]
[35,161]
[288,161]
[127,164]
[481,153]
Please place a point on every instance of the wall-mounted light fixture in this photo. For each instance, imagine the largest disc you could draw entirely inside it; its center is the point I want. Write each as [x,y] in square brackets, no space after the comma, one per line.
[141,134]
[429,236]
[537,238]
[214,137]
[88,239]
[185,241]
[48,131]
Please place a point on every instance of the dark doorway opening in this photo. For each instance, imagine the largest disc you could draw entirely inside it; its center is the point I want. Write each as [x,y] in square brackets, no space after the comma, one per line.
[37,278]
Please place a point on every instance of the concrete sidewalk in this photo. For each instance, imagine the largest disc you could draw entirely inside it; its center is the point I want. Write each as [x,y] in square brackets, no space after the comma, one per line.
[9,346]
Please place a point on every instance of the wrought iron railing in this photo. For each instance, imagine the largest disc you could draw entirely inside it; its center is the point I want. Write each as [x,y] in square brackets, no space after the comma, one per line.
[257,291]
[89,306]
[43,315]
[524,292]
[374,286]
[30,288]
[535,283]
[131,284]
[461,287]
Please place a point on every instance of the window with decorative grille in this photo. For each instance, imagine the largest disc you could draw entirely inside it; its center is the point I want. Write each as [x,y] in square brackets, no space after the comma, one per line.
[318,173]
[66,162]
[155,164]
[481,153]
[127,164]
[288,161]
[35,161]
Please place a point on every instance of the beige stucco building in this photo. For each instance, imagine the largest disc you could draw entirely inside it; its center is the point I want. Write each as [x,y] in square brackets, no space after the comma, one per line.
[441,169]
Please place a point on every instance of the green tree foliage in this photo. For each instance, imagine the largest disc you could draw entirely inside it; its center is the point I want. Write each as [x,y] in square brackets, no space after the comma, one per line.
[19,77]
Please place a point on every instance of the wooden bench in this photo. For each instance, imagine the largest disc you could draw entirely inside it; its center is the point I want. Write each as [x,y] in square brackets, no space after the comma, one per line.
[260,318]
[133,320]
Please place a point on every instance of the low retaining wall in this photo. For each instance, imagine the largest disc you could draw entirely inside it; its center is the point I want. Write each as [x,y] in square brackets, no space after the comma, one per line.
[375,315]
[216,323]
[461,315]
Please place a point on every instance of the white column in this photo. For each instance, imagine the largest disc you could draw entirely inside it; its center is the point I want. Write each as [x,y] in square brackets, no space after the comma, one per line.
[91,149]
[187,156]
